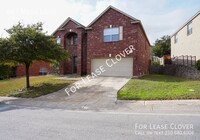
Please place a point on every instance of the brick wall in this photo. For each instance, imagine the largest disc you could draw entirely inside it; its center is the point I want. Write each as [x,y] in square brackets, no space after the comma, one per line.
[34,69]
[91,44]
[66,67]
[132,35]
[143,56]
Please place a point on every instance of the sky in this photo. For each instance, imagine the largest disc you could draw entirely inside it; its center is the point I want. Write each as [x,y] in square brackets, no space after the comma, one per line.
[159,17]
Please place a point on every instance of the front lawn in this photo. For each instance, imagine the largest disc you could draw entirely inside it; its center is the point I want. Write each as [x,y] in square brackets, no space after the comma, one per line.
[160,87]
[40,85]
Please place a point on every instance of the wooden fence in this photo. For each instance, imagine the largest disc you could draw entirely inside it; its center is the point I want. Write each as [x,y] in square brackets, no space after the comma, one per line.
[158,59]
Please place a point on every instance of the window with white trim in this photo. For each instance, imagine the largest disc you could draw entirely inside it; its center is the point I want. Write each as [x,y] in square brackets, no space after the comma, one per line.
[189,28]
[112,34]
[58,40]
[43,71]
[175,39]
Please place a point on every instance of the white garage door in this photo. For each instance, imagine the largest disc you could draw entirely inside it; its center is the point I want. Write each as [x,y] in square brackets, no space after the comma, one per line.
[121,68]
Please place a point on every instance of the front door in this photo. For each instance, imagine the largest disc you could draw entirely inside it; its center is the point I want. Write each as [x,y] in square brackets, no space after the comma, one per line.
[75,64]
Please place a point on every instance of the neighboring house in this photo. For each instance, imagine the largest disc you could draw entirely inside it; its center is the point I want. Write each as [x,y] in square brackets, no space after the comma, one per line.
[104,38]
[186,40]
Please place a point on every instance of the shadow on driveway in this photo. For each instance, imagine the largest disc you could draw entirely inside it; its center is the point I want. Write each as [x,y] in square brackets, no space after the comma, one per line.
[98,94]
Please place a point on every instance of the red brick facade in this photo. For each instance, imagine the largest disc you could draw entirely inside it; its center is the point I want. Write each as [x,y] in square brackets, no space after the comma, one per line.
[35,69]
[86,43]
[90,42]
[76,50]
[132,35]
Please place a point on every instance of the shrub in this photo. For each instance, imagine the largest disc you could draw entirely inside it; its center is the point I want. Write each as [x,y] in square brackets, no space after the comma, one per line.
[5,71]
[155,63]
[198,64]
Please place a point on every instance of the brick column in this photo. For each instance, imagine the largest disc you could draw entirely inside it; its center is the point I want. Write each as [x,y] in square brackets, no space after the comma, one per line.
[79,53]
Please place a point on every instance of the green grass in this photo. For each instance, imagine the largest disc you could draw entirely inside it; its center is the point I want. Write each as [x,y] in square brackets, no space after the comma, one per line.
[160,87]
[40,85]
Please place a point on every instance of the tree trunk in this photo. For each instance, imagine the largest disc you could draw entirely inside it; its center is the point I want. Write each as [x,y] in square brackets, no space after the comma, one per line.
[27,76]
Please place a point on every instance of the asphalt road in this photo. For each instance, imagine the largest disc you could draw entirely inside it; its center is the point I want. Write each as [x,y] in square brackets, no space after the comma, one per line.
[27,123]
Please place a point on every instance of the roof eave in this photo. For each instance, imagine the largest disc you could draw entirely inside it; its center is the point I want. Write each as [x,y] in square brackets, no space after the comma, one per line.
[111,7]
[193,17]
[65,22]
[139,22]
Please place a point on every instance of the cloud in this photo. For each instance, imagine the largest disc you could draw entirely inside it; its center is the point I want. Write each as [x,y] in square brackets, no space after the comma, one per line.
[51,13]
[159,17]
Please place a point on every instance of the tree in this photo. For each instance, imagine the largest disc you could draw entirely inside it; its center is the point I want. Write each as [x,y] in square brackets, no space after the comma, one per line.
[5,51]
[162,46]
[5,57]
[29,44]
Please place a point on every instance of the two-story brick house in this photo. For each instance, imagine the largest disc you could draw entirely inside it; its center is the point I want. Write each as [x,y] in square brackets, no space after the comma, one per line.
[101,41]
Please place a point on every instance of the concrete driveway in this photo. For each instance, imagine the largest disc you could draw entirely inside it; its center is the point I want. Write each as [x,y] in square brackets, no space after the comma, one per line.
[99,93]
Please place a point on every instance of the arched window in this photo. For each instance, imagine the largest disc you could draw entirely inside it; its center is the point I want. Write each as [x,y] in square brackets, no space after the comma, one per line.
[72,39]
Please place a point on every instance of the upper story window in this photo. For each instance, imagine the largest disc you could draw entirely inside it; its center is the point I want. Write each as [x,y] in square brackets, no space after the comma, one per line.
[175,39]
[58,40]
[189,28]
[72,39]
[112,34]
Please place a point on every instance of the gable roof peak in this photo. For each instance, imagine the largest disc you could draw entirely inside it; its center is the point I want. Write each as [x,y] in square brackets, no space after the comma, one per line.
[65,22]
[193,17]
[108,8]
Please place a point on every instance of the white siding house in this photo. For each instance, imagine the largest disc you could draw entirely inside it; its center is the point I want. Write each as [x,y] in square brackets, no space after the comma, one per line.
[186,40]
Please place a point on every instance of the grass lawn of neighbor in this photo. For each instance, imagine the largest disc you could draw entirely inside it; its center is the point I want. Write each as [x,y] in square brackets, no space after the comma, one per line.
[160,87]
[40,85]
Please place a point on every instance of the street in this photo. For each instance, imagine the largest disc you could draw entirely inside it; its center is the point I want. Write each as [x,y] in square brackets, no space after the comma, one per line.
[24,122]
